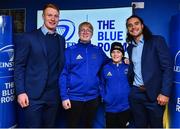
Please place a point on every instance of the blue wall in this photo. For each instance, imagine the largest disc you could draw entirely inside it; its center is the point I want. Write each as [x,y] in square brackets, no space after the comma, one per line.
[156,14]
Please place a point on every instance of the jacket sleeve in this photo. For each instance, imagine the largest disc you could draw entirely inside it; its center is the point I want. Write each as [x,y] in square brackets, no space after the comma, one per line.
[106,59]
[130,68]
[102,84]
[166,66]
[63,79]
[22,49]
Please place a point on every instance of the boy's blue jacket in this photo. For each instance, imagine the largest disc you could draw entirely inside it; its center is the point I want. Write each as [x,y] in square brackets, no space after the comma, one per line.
[115,87]
[80,79]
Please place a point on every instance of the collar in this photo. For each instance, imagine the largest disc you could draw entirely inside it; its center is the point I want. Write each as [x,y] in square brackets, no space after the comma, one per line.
[140,41]
[46,31]
[117,64]
[80,42]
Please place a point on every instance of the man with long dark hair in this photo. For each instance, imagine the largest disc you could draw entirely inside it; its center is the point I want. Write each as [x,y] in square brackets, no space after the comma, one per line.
[150,74]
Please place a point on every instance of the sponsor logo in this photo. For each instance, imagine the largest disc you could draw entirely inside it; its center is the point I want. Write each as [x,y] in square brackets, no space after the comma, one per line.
[109,74]
[7,57]
[177,62]
[79,57]
[94,56]
[9,50]
[177,67]
[66,28]
[126,71]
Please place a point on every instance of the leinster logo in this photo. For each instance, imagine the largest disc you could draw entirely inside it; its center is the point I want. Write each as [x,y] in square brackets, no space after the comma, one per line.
[177,67]
[126,71]
[6,58]
[66,28]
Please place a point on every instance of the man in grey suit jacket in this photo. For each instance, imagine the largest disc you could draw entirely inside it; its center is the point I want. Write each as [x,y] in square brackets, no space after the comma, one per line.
[39,59]
[150,74]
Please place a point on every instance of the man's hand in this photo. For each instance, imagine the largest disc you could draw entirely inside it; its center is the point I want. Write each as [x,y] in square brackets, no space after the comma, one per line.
[66,104]
[23,100]
[162,99]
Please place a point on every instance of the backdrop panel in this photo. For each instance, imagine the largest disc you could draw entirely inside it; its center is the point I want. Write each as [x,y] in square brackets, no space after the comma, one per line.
[7,91]
[109,25]
[174,105]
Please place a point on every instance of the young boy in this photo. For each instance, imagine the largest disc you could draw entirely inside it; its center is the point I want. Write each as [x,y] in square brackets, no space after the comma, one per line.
[115,89]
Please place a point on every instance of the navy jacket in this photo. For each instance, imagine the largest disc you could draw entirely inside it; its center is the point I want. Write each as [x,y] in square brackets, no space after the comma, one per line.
[31,64]
[115,87]
[157,67]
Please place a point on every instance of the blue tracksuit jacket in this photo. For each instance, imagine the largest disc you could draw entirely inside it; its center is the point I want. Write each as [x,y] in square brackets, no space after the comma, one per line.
[115,87]
[80,79]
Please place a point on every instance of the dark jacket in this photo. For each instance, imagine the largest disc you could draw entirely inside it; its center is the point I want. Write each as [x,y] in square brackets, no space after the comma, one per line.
[31,64]
[157,67]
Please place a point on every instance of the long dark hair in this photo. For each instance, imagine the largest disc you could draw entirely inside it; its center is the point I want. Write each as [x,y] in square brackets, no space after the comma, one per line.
[146,32]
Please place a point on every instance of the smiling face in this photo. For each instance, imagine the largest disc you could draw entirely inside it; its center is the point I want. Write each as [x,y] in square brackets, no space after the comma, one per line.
[51,18]
[135,28]
[116,56]
[85,33]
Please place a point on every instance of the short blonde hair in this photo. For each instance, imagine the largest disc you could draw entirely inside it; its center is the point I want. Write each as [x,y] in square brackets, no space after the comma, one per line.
[50,5]
[85,24]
